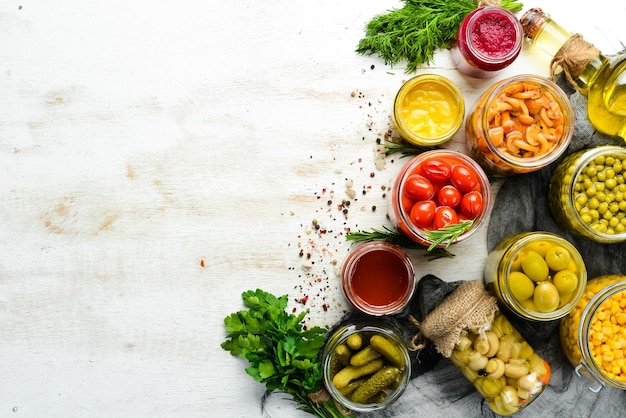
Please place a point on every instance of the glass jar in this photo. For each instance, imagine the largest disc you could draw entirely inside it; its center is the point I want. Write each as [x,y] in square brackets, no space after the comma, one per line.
[489,39]
[519,125]
[538,276]
[428,110]
[366,364]
[377,278]
[593,335]
[416,215]
[501,365]
[587,194]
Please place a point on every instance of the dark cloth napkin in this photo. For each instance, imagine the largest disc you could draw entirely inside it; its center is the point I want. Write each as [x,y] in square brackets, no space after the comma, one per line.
[437,388]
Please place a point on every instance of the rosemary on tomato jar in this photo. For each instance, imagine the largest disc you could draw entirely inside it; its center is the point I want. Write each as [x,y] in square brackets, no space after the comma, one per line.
[440,197]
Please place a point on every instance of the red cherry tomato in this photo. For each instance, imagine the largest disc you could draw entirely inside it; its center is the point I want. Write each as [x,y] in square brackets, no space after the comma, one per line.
[472,204]
[436,169]
[449,196]
[422,213]
[463,178]
[444,216]
[418,187]
[407,203]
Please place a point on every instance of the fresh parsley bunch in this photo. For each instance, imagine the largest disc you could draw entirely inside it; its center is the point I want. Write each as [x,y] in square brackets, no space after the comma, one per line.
[282,353]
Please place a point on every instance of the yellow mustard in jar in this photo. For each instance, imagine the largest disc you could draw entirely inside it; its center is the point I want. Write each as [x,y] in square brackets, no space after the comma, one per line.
[593,334]
[428,110]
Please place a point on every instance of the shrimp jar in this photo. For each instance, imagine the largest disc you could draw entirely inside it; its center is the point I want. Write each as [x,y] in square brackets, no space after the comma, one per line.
[593,335]
[489,39]
[519,125]
[440,189]
[428,110]
[377,278]
[587,194]
[468,328]
[538,276]
[366,364]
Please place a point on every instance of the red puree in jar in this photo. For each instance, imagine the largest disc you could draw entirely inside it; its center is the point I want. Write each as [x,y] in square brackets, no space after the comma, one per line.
[493,35]
[379,278]
[488,40]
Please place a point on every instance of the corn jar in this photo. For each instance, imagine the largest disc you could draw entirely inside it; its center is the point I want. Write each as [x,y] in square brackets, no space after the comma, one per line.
[538,276]
[428,110]
[587,194]
[593,335]
[519,125]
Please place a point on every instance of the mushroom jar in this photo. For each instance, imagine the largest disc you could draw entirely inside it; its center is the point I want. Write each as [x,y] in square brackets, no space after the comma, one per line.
[519,125]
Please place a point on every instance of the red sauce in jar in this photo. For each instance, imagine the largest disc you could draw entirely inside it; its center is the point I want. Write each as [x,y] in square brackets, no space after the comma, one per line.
[379,278]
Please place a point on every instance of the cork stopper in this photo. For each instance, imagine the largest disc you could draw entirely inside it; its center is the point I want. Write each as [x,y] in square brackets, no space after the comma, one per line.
[532,21]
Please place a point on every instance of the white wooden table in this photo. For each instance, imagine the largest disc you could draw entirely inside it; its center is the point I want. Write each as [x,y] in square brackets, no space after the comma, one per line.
[157,159]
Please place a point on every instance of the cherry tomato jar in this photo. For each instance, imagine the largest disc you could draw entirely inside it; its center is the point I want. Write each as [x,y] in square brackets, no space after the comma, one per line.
[489,39]
[519,125]
[377,278]
[587,194]
[365,363]
[539,276]
[440,189]
[593,335]
[428,110]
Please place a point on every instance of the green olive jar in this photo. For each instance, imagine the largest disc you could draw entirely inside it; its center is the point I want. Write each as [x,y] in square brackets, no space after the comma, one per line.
[539,276]
[587,194]
[366,364]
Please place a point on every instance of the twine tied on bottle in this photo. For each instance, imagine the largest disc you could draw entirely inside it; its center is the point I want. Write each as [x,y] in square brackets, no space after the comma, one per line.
[470,306]
[573,57]
[484,3]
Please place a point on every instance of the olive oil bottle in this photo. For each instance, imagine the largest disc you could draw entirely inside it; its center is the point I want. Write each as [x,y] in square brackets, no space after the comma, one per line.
[600,77]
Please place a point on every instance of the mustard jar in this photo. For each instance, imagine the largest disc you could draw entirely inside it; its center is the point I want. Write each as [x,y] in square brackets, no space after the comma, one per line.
[428,110]
[539,276]
[469,329]
[593,335]
[587,194]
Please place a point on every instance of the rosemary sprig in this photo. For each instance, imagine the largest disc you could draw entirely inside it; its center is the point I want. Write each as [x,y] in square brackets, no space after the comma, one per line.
[394,237]
[447,234]
[405,149]
[414,32]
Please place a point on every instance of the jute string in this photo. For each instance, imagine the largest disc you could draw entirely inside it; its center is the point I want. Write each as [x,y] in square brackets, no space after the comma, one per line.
[470,306]
[573,57]
[483,3]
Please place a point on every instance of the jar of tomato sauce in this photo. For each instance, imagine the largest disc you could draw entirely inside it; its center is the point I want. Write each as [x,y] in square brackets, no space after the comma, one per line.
[519,125]
[488,40]
[377,278]
[440,189]
[428,110]
[593,335]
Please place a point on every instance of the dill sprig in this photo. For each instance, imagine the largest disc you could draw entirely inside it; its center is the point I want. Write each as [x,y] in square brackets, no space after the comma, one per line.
[394,237]
[447,234]
[416,31]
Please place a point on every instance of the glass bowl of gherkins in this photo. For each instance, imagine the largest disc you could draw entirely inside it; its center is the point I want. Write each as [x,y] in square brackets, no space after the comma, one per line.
[587,193]
[366,364]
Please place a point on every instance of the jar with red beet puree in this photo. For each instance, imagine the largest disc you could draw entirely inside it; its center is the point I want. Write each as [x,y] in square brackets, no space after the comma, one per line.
[488,40]
[377,278]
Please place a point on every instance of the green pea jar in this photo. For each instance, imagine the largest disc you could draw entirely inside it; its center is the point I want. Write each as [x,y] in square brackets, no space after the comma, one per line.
[587,194]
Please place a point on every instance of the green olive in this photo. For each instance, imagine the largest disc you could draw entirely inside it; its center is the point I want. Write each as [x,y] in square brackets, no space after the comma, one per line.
[521,286]
[558,258]
[546,297]
[565,281]
[535,267]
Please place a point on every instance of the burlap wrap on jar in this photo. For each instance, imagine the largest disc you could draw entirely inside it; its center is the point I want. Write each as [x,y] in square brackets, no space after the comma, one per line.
[470,306]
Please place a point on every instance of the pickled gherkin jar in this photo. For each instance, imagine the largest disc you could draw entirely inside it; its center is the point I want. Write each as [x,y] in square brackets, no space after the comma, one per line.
[468,328]
[587,194]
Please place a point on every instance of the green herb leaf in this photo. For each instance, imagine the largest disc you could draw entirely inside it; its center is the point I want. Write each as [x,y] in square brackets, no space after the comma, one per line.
[447,234]
[416,31]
